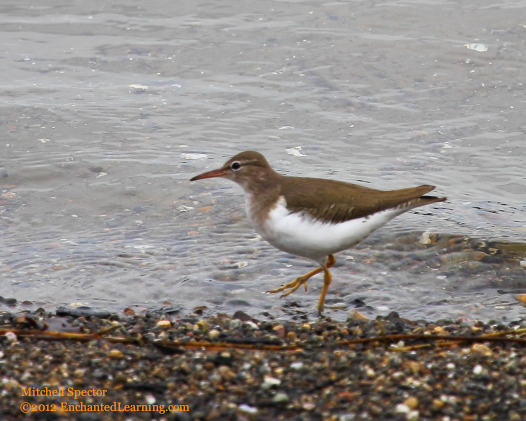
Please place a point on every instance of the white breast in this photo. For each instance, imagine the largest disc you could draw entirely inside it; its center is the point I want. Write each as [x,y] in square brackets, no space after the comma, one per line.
[302,235]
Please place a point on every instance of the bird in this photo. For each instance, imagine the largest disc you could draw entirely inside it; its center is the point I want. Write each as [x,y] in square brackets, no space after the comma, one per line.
[313,217]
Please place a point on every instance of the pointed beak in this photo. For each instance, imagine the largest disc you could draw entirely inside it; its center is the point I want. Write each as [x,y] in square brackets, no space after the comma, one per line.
[210,174]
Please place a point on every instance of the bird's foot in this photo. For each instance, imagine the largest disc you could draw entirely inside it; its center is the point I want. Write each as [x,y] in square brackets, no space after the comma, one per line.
[293,286]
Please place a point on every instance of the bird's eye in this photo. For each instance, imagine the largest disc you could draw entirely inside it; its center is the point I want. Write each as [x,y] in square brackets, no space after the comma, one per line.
[236,165]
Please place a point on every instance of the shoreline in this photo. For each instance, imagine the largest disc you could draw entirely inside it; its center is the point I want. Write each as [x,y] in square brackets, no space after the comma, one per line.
[222,367]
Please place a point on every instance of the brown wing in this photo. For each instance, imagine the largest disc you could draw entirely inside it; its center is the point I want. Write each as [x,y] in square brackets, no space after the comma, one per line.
[336,201]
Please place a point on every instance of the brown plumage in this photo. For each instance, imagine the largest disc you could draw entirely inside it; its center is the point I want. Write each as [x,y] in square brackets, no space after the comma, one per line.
[336,201]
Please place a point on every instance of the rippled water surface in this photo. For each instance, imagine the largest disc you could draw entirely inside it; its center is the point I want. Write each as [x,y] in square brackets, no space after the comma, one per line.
[107,109]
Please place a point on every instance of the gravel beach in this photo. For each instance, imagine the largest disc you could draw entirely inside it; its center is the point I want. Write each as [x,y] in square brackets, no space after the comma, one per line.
[80,364]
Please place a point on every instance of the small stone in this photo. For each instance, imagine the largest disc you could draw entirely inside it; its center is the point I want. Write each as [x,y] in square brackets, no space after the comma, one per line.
[247,409]
[164,323]
[280,398]
[280,331]
[415,367]
[291,336]
[482,349]
[402,409]
[521,297]
[369,372]
[308,406]
[129,312]
[357,316]
[450,366]
[234,324]
[11,337]
[115,353]
[203,324]
[411,402]
[214,334]
[225,372]
[269,382]
[438,404]
[413,416]
[251,325]
[477,369]
[296,365]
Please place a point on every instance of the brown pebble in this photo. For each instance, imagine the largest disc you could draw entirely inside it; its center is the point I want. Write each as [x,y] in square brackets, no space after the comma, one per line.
[115,353]
[415,367]
[411,402]
[291,336]
[129,312]
[164,323]
[345,395]
[279,331]
[482,349]
[438,404]
[225,372]
[359,316]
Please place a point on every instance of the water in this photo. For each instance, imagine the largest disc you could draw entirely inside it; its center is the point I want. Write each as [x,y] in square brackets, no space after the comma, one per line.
[107,110]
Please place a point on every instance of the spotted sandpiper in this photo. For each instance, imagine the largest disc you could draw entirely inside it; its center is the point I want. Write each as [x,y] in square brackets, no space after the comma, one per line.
[313,217]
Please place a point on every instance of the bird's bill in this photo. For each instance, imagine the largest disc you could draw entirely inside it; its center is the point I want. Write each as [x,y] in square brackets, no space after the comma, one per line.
[210,174]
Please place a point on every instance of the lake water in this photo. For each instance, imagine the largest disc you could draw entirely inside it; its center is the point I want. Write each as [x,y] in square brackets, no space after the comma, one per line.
[107,110]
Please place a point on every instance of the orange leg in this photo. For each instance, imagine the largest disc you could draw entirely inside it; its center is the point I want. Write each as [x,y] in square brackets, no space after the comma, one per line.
[327,278]
[302,280]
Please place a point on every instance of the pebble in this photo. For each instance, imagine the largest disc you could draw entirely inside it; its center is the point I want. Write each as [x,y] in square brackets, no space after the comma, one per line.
[234,324]
[268,382]
[248,409]
[11,337]
[281,398]
[296,365]
[251,325]
[482,349]
[411,402]
[280,331]
[413,416]
[402,408]
[115,353]
[214,334]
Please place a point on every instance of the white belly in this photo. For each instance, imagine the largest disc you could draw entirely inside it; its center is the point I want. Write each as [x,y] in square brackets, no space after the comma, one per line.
[303,236]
